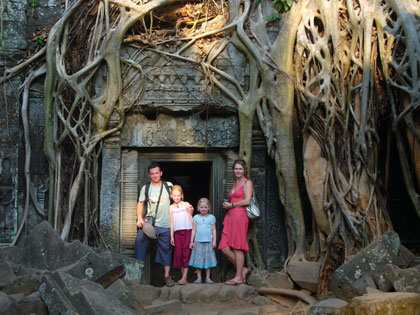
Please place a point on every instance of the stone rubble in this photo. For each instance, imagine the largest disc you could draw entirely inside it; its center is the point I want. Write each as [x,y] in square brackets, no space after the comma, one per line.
[45,275]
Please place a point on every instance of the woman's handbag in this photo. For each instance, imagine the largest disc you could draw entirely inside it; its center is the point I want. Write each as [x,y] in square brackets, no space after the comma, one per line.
[252,210]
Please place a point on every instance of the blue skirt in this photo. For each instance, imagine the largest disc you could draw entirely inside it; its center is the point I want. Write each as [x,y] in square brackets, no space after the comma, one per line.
[203,256]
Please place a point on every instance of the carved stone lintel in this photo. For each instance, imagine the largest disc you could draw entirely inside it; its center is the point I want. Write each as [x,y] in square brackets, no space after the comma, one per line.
[191,131]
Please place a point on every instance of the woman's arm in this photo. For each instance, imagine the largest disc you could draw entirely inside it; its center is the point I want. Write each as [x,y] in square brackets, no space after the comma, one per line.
[248,190]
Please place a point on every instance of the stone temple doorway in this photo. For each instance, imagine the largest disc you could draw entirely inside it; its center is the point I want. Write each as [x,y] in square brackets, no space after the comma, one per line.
[200,175]
[194,178]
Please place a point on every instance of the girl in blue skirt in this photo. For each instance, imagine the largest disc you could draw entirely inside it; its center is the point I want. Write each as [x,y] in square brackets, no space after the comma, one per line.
[203,241]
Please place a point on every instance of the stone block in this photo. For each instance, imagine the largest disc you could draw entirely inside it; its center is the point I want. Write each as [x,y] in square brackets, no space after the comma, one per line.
[227,293]
[210,293]
[63,293]
[406,257]
[280,280]
[145,294]
[395,303]
[119,290]
[33,304]
[407,280]
[349,279]
[305,274]
[244,290]
[329,307]
[55,298]
[190,293]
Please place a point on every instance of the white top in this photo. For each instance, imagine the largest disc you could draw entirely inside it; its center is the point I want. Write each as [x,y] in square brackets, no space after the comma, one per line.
[181,219]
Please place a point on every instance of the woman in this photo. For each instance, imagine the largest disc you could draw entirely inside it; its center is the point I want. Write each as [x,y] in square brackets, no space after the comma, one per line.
[233,242]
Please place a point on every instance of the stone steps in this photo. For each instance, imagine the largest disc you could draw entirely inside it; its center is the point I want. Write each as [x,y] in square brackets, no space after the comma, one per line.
[207,293]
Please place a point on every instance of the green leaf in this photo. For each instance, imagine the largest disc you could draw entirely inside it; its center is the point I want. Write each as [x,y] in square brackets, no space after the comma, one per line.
[289,3]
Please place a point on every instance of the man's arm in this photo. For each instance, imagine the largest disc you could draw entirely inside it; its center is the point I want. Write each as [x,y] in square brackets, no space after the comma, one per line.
[140,208]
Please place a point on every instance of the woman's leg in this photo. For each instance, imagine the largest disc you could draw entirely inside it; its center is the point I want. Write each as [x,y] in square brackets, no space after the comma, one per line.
[228,252]
[239,259]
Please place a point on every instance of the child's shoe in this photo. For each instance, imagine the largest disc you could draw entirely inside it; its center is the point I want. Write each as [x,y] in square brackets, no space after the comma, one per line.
[208,281]
[198,281]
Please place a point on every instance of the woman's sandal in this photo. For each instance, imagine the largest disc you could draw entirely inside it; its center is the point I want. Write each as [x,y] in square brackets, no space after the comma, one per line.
[231,282]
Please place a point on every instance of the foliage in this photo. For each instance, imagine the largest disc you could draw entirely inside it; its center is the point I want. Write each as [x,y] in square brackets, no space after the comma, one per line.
[34,3]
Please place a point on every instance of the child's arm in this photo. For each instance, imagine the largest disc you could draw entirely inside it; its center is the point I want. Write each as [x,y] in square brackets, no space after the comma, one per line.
[171,226]
[194,229]
[213,229]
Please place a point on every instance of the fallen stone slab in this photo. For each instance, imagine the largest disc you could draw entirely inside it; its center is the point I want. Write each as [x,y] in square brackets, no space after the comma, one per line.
[65,294]
[119,290]
[305,274]
[49,252]
[33,304]
[329,307]
[395,303]
[352,278]
[407,280]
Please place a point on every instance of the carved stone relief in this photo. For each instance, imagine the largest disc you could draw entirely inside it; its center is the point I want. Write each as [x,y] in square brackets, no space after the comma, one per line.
[189,131]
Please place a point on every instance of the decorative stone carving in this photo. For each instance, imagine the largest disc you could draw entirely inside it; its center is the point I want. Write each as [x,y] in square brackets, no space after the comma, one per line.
[190,131]
[176,84]
[7,199]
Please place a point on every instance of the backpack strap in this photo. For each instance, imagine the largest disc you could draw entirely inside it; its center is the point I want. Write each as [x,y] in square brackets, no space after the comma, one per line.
[168,189]
[146,201]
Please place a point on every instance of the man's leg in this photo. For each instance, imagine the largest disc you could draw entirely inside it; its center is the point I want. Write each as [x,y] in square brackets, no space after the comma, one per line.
[164,253]
[141,244]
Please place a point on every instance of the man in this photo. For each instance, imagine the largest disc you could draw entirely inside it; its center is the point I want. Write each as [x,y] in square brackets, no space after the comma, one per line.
[158,201]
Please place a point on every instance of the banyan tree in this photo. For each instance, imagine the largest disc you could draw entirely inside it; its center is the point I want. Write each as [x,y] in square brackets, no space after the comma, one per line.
[325,71]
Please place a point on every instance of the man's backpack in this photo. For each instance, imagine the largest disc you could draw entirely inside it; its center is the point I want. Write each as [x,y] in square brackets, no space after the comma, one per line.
[146,191]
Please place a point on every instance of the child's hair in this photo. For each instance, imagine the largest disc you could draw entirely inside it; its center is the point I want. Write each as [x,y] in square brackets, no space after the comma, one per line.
[204,200]
[179,188]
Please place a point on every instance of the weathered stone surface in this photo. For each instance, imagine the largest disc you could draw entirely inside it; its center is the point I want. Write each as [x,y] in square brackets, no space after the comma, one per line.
[171,307]
[50,252]
[329,307]
[145,294]
[191,292]
[259,279]
[119,290]
[279,280]
[305,274]
[227,292]
[33,304]
[63,293]
[210,293]
[406,257]
[167,131]
[7,275]
[352,278]
[393,303]
[407,280]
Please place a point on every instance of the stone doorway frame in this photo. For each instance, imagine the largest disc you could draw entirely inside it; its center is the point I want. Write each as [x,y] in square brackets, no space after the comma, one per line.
[216,189]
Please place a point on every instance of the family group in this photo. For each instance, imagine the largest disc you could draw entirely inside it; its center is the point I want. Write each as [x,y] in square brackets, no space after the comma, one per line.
[164,216]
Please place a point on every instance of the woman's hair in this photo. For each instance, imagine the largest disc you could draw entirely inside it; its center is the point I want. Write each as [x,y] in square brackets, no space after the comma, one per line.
[179,188]
[204,200]
[241,162]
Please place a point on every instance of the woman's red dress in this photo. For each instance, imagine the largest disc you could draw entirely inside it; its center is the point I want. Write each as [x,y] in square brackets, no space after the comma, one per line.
[235,224]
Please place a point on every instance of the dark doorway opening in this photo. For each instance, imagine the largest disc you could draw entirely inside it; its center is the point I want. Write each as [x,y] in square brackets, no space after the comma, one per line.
[194,178]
